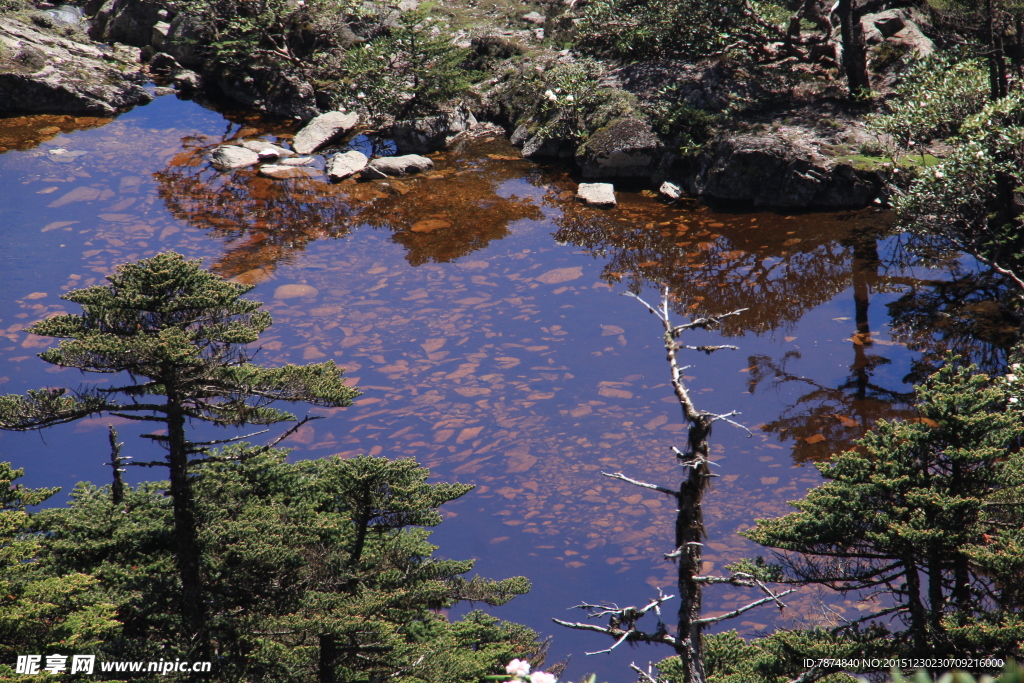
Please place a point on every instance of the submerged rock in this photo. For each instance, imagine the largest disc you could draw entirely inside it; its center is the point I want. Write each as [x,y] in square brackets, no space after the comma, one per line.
[287,172]
[341,166]
[601,195]
[44,74]
[397,166]
[229,157]
[323,129]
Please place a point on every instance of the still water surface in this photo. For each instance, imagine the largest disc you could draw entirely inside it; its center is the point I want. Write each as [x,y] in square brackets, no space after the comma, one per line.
[479,310]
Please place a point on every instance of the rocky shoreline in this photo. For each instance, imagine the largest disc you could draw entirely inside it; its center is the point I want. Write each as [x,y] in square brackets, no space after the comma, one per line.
[778,156]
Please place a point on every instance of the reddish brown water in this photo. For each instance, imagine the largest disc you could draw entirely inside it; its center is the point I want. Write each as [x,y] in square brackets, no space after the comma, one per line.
[479,309]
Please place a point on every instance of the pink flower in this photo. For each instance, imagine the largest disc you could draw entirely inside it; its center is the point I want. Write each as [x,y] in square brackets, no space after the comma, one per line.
[518,667]
[542,677]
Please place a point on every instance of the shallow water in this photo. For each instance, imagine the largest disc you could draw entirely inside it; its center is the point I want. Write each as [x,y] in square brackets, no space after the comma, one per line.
[480,311]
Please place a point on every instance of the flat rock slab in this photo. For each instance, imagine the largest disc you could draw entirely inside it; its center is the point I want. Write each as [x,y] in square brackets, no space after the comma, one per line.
[267,150]
[397,166]
[341,166]
[228,157]
[281,172]
[44,74]
[601,195]
[322,130]
[298,161]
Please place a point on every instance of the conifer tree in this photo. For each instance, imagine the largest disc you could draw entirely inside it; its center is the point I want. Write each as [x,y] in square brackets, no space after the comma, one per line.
[170,329]
[908,513]
[41,611]
[317,571]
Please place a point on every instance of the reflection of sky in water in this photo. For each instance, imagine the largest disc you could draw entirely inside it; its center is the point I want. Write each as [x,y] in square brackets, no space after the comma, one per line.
[485,348]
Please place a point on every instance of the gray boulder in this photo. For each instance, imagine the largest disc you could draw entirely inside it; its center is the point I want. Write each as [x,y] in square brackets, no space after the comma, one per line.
[44,74]
[341,166]
[601,195]
[432,132]
[520,135]
[323,129]
[777,172]
[127,21]
[228,157]
[901,26]
[538,147]
[266,150]
[626,148]
[185,40]
[397,166]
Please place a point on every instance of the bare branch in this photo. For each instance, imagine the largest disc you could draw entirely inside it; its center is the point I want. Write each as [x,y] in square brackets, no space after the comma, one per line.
[231,440]
[726,417]
[642,484]
[644,675]
[618,642]
[710,349]
[740,610]
[705,323]
[650,308]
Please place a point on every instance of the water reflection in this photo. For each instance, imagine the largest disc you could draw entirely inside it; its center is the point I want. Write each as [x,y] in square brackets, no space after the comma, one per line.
[27,132]
[437,217]
[779,267]
[503,358]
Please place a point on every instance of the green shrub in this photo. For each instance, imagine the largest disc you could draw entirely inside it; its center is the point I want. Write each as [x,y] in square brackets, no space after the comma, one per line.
[938,94]
[638,29]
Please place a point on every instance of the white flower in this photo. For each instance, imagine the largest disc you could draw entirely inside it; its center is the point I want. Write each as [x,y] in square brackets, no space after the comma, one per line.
[518,667]
[569,98]
[542,677]
[551,96]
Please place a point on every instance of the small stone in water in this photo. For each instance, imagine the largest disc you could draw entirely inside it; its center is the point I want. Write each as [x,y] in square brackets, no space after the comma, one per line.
[295,291]
[597,194]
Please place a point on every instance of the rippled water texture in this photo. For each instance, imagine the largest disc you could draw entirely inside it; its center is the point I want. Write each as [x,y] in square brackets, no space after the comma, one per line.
[479,309]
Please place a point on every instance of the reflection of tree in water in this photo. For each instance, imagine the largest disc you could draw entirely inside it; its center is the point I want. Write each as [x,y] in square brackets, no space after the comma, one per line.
[973,314]
[966,313]
[265,221]
[447,214]
[777,267]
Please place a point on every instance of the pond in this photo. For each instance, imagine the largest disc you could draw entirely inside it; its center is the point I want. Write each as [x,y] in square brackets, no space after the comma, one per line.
[479,309]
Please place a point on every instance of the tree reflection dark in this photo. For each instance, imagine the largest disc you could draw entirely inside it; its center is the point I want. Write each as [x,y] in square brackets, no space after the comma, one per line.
[438,217]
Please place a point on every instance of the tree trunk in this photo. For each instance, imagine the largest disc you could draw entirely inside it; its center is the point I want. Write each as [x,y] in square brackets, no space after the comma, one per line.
[690,536]
[328,654]
[854,60]
[188,556]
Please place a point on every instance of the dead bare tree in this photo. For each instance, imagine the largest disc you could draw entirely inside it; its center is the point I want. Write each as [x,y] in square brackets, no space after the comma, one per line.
[689,529]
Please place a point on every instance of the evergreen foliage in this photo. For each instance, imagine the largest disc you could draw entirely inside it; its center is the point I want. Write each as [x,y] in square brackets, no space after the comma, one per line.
[170,329]
[408,70]
[42,612]
[909,512]
[317,571]
[663,29]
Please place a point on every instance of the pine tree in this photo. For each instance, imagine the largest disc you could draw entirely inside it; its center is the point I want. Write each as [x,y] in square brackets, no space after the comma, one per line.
[907,511]
[178,332]
[317,571]
[40,611]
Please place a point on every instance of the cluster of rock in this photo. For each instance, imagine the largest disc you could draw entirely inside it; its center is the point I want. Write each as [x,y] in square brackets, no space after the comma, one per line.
[46,74]
[281,163]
